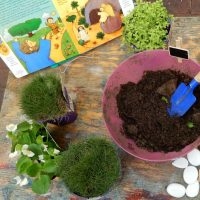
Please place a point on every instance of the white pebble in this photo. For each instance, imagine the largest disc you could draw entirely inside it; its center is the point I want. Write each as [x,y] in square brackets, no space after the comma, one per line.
[194,157]
[190,174]
[192,190]
[176,190]
[180,163]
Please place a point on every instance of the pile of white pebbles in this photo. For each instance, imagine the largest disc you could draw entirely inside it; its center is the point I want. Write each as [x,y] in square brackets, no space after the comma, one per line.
[191,176]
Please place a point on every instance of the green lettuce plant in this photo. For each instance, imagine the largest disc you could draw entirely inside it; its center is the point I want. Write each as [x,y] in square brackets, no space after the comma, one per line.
[36,154]
[146,26]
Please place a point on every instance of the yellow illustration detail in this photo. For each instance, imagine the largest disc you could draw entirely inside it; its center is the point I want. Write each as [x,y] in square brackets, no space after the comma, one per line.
[106,11]
[4,50]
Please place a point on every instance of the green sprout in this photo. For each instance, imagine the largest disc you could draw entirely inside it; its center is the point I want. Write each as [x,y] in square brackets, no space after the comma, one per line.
[190,125]
[164,99]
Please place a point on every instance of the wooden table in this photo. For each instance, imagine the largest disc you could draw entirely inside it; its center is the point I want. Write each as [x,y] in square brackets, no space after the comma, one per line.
[85,80]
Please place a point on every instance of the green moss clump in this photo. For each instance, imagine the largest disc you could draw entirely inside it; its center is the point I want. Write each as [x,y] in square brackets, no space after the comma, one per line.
[42,98]
[90,167]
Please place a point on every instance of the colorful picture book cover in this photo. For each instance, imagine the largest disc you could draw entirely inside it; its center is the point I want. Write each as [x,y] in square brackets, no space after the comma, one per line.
[38,34]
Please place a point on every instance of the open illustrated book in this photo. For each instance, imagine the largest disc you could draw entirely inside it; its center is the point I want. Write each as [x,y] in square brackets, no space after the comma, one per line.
[38,34]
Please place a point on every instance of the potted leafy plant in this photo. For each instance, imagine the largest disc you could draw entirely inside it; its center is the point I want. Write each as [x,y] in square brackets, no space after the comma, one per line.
[89,167]
[36,154]
[44,99]
[147,26]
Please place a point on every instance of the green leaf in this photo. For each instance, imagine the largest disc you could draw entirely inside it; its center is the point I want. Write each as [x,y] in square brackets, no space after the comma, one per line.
[14,143]
[41,185]
[71,18]
[10,134]
[190,125]
[49,166]
[39,139]
[18,147]
[164,99]
[51,150]
[24,126]
[24,138]
[35,148]
[33,170]
[23,164]
[35,128]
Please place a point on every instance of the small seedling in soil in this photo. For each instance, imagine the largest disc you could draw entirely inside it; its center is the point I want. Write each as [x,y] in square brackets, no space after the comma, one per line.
[165,99]
[190,125]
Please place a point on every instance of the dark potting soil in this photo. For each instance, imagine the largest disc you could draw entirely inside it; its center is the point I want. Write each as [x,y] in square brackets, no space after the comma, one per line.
[143,109]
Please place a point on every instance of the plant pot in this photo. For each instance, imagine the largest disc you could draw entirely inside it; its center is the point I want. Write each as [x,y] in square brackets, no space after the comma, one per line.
[69,117]
[132,70]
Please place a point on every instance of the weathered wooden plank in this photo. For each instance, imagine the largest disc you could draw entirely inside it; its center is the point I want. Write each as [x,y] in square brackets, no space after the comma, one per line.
[85,80]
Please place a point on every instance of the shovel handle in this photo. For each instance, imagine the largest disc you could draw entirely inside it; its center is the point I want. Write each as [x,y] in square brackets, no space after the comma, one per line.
[197,77]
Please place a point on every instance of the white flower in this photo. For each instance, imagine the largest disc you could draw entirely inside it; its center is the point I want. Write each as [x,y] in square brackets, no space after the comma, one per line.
[14,154]
[45,147]
[41,158]
[20,181]
[27,152]
[56,151]
[30,121]
[11,127]
[25,147]
[23,118]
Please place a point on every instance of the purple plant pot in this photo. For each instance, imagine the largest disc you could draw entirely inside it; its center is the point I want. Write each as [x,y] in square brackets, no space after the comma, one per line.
[69,117]
[132,70]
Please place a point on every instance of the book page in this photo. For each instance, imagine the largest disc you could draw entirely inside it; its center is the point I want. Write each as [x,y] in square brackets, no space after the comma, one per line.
[34,34]
[44,33]
[90,23]
[11,60]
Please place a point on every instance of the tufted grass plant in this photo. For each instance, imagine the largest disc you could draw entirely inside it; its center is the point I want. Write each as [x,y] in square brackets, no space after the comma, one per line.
[42,98]
[90,167]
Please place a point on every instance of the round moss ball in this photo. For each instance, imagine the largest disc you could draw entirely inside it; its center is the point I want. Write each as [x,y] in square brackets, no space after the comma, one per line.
[90,167]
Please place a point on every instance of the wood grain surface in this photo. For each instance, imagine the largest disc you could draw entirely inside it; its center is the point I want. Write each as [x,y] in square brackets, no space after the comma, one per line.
[85,79]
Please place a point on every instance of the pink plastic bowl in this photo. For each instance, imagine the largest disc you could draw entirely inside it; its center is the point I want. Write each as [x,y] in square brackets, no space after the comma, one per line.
[132,70]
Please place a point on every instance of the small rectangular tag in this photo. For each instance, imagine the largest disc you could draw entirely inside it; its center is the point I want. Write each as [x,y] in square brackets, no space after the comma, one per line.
[127,6]
[179,52]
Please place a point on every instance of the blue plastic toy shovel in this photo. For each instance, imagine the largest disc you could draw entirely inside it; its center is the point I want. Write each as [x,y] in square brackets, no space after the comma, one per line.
[183,98]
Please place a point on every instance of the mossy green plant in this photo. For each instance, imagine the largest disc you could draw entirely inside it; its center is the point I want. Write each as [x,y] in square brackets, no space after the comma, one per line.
[42,98]
[90,167]
[146,26]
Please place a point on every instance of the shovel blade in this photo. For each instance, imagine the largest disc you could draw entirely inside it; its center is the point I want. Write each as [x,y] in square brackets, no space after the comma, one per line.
[181,100]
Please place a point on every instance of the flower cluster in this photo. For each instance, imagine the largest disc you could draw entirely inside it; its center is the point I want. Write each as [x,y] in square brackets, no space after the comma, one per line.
[36,154]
